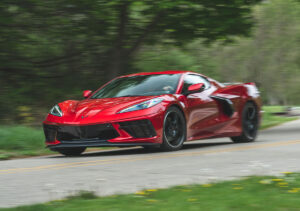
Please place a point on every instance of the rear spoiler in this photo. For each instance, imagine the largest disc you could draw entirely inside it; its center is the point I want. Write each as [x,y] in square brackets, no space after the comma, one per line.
[232,83]
[237,83]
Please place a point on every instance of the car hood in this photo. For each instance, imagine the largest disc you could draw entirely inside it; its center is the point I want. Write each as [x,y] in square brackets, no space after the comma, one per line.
[77,111]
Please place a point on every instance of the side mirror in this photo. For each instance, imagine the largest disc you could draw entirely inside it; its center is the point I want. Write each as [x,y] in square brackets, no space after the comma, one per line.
[195,88]
[87,93]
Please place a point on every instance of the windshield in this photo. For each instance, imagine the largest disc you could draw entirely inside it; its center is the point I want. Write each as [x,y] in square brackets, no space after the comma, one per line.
[142,85]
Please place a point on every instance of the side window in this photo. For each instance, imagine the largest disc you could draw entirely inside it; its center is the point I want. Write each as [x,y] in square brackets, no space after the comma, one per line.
[194,79]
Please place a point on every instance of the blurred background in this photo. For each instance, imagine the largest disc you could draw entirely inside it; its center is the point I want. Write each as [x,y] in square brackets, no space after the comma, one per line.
[51,51]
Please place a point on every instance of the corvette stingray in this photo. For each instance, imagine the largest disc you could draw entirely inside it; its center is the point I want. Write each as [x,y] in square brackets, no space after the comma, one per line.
[156,110]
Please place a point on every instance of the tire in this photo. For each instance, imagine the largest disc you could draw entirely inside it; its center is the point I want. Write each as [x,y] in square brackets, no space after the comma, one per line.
[174,130]
[249,124]
[71,151]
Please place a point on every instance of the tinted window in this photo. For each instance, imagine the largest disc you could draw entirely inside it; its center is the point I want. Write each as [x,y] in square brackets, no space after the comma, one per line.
[142,85]
[194,79]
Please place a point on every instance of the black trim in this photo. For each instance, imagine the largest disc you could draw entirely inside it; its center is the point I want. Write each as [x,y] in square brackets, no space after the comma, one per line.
[139,128]
[98,135]
[227,105]
[75,133]
[50,132]
[96,143]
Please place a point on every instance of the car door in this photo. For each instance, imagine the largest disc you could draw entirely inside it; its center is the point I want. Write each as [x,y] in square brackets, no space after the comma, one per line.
[202,110]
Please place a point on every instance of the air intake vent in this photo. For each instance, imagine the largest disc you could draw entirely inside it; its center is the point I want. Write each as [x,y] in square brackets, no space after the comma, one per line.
[73,133]
[50,132]
[139,128]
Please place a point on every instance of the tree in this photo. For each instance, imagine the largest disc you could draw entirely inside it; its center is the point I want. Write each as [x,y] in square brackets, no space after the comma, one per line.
[181,21]
[115,30]
[271,57]
[44,43]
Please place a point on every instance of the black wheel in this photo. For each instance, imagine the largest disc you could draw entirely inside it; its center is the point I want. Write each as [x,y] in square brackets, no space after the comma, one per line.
[174,131]
[249,124]
[71,151]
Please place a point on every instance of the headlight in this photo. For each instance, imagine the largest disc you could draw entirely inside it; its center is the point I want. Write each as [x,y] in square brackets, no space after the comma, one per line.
[143,105]
[56,111]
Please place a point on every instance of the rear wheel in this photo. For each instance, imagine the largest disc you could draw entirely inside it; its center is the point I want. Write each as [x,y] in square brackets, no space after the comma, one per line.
[72,151]
[249,124]
[174,130]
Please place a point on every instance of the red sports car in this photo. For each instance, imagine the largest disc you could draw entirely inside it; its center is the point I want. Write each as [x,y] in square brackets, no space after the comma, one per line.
[154,110]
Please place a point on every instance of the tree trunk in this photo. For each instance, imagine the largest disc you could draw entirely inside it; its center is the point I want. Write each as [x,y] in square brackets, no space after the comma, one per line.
[120,57]
[116,66]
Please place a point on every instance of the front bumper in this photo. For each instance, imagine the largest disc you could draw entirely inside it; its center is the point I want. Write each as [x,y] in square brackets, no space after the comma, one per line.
[136,132]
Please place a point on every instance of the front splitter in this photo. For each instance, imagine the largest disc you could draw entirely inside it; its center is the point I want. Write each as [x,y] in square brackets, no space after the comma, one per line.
[95,143]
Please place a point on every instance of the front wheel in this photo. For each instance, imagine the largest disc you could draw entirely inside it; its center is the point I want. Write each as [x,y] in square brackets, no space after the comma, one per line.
[72,151]
[249,124]
[174,130]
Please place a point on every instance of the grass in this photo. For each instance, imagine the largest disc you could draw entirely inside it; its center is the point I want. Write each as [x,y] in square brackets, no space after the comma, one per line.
[270,120]
[22,141]
[253,193]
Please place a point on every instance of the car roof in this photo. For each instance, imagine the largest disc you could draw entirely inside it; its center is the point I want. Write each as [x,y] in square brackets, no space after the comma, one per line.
[161,72]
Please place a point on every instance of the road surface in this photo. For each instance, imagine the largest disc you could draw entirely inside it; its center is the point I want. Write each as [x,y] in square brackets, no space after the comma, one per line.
[40,179]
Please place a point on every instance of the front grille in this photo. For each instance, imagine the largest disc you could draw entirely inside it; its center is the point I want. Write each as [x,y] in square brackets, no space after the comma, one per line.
[139,128]
[70,133]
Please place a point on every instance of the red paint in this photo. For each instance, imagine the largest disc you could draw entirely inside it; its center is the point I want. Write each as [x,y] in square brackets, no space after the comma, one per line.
[195,87]
[203,114]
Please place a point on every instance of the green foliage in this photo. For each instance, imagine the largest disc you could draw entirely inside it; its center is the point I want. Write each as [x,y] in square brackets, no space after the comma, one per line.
[19,141]
[269,119]
[21,138]
[270,57]
[253,193]
[83,195]
[52,49]
[161,57]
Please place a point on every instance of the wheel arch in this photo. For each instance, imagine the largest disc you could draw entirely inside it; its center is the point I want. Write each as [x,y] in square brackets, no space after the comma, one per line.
[251,101]
[184,115]
[257,106]
[166,145]
[180,109]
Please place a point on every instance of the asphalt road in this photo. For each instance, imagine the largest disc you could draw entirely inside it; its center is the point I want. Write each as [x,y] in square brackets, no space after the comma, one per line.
[40,179]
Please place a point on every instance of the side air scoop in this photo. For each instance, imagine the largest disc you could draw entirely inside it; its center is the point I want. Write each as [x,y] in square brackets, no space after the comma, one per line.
[227,105]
